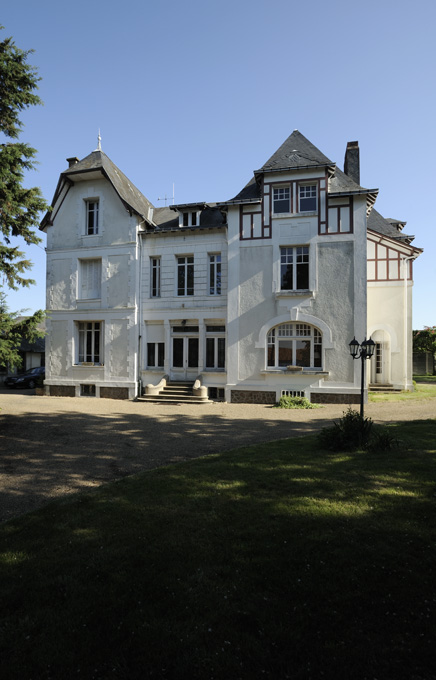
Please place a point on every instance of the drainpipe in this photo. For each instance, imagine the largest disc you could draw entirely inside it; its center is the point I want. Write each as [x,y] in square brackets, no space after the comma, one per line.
[404,261]
[138,367]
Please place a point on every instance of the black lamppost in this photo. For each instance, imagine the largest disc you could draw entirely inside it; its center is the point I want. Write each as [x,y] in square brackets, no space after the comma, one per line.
[363,351]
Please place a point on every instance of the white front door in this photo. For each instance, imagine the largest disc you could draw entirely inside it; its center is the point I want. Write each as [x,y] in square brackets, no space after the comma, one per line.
[184,359]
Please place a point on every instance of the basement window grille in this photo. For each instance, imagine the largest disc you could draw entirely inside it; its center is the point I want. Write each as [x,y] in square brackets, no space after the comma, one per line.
[292,393]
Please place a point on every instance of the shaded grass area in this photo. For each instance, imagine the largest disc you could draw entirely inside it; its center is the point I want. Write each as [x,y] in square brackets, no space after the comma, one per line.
[430,379]
[278,560]
[422,392]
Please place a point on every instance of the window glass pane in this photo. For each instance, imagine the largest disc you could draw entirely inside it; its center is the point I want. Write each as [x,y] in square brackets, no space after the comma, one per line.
[150,354]
[194,219]
[210,352]
[221,352]
[178,352]
[185,219]
[285,352]
[302,353]
[190,279]
[160,353]
[271,356]
[192,352]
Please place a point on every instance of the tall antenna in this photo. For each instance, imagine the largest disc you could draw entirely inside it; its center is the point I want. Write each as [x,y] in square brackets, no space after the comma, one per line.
[166,198]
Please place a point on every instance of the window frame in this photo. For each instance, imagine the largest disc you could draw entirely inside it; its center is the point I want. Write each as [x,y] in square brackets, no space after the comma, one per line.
[215,337]
[291,260]
[86,344]
[190,218]
[276,199]
[215,274]
[155,277]
[291,336]
[185,274]
[158,349]
[85,265]
[302,188]
[92,225]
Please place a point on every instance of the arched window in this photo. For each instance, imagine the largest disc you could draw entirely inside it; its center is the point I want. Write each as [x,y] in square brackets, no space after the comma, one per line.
[294,344]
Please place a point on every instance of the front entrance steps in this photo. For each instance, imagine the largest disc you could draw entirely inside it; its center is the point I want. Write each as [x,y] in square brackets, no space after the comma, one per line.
[380,387]
[176,392]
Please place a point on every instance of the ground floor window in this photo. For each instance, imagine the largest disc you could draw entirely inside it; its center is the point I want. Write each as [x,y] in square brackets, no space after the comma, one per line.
[294,344]
[155,354]
[90,337]
[215,347]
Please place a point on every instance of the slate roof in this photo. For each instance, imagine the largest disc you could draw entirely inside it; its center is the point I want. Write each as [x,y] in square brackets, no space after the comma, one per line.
[379,224]
[129,194]
[97,161]
[166,219]
[295,152]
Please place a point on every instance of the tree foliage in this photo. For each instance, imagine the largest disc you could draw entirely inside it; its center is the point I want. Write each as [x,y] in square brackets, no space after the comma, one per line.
[425,340]
[15,329]
[20,207]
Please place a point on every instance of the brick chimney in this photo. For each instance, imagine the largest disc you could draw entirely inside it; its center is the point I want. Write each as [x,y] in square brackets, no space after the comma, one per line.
[72,161]
[352,161]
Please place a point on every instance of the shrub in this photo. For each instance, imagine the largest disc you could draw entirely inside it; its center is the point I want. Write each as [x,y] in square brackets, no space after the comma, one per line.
[349,433]
[382,440]
[294,402]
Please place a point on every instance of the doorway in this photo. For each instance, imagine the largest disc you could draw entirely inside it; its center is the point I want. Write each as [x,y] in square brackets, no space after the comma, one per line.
[185,353]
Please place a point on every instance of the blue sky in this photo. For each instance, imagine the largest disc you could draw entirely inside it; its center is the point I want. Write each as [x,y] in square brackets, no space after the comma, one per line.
[200,94]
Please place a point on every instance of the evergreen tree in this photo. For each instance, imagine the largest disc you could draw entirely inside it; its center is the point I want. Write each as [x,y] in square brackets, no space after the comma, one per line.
[20,207]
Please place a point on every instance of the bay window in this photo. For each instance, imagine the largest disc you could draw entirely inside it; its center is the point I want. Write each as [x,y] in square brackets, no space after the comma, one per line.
[294,344]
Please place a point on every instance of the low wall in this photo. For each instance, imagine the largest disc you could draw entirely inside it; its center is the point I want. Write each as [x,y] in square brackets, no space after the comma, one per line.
[252,397]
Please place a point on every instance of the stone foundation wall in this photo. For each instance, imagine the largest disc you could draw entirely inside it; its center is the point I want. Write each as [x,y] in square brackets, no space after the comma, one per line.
[252,397]
[335,398]
[114,392]
[62,390]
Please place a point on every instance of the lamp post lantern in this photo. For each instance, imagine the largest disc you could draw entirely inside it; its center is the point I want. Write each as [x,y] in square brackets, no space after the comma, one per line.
[362,351]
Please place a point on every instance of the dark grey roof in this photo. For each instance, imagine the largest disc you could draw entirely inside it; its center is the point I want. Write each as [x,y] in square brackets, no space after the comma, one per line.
[379,224]
[129,194]
[251,192]
[97,161]
[166,219]
[296,152]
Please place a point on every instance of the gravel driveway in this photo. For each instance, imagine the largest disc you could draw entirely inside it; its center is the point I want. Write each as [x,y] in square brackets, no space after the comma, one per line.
[51,446]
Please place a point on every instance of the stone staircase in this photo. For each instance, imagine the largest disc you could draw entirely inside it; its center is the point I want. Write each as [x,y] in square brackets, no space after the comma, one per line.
[379,387]
[175,393]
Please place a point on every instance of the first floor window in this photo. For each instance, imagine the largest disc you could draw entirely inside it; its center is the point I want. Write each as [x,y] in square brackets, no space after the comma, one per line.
[90,279]
[185,275]
[281,200]
[307,196]
[294,268]
[90,338]
[155,354]
[155,276]
[92,209]
[294,344]
[215,274]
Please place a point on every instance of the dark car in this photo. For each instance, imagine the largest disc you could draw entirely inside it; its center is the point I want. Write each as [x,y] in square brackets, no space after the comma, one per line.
[28,379]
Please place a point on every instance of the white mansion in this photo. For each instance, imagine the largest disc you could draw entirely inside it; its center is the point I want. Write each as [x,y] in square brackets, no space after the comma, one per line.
[252,298]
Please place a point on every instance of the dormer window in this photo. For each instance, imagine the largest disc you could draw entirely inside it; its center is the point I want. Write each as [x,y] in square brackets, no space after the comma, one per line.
[307,198]
[281,200]
[92,217]
[191,218]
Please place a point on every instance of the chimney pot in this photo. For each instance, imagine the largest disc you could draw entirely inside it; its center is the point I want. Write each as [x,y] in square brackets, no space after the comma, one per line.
[72,161]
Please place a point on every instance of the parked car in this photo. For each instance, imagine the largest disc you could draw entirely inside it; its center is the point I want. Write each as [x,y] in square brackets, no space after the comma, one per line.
[28,379]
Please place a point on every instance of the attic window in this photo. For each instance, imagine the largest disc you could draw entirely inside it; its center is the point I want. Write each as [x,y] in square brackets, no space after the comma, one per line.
[92,209]
[190,219]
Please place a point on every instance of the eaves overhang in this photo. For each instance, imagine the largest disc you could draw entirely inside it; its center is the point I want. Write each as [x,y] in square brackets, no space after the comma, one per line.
[331,167]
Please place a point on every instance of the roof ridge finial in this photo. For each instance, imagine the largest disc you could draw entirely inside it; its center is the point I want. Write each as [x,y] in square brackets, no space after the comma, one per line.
[98,141]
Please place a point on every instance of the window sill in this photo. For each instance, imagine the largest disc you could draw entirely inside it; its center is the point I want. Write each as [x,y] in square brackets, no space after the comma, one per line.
[312,213]
[294,293]
[304,371]
[88,364]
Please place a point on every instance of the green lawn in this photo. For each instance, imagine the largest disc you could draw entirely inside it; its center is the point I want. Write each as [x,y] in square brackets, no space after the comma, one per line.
[422,392]
[273,561]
